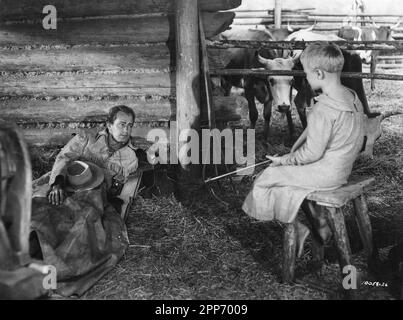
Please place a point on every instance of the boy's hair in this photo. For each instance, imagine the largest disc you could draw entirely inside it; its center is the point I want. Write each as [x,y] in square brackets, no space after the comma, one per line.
[324,56]
[114,111]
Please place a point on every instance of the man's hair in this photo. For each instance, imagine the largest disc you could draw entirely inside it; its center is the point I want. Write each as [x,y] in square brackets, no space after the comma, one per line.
[114,111]
[324,56]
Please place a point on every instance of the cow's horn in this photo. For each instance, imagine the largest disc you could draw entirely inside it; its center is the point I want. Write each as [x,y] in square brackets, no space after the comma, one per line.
[268,33]
[388,114]
[374,24]
[311,27]
[261,60]
[394,27]
[289,28]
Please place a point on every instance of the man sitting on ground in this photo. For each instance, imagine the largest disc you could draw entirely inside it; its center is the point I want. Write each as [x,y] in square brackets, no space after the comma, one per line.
[76,223]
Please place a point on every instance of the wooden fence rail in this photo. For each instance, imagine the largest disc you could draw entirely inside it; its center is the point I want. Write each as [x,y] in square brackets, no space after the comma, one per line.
[300,45]
[259,72]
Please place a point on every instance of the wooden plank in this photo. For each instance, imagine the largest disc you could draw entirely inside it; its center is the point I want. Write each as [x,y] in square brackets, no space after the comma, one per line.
[87,58]
[29,9]
[92,84]
[300,45]
[246,72]
[119,30]
[339,197]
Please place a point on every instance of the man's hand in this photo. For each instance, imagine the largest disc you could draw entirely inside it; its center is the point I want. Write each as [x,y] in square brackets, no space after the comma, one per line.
[56,195]
[276,161]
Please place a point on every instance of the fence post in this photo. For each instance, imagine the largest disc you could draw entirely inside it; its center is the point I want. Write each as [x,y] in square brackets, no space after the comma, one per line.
[277,14]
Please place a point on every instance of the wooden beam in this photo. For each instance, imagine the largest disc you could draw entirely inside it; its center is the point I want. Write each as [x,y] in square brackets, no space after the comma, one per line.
[28,9]
[102,31]
[187,68]
[300,45]
[248,72]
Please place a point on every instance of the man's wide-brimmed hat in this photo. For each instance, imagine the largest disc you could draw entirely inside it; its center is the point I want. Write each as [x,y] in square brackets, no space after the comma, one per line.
[82,176]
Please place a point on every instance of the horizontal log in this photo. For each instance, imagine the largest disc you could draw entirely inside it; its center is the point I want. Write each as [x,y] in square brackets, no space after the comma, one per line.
[253,15]
[358,15]
[397,57]
[32,111]
[346,18]
[51,134]
[268,21]
[389,65]
[57,137]
[83,83]
[119,30]
[246,72]
[300,45]
[150,58]
[73,111]
[295,25]
[271,11]
[28,9]
[90,58]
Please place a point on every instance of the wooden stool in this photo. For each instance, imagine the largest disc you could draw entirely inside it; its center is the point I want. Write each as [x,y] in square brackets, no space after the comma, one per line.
[333,201]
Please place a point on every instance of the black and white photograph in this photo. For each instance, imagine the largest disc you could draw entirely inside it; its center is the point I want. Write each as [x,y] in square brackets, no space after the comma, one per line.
[201,155]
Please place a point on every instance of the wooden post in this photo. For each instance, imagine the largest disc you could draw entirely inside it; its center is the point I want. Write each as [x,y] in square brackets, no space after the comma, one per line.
[364,227]
[289,251]
[187,69]
[277,14]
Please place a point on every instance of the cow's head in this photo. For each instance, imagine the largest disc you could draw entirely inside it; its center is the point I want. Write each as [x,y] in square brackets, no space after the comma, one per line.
[375,33]
[280,86]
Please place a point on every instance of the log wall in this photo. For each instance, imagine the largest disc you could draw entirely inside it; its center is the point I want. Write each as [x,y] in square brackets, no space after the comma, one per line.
[103,53]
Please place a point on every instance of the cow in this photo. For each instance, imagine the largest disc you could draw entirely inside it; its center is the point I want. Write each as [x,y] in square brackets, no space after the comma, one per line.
[367,33]
[259,87]
[304,92]
[352,64]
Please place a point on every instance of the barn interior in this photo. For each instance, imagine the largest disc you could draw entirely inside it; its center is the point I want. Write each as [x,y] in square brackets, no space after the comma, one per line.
[56,82]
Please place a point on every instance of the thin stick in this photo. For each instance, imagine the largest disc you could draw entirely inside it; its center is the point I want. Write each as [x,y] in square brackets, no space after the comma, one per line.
[236,171]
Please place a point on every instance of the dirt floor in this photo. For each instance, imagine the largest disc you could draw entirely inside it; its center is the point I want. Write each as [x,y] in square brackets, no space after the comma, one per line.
[183,245]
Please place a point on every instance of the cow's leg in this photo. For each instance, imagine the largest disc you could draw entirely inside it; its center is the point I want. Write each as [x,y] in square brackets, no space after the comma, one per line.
[290,126]
[226,85]
[253,114]
[357,85]
[374,57]
[267,116]
[301,105]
